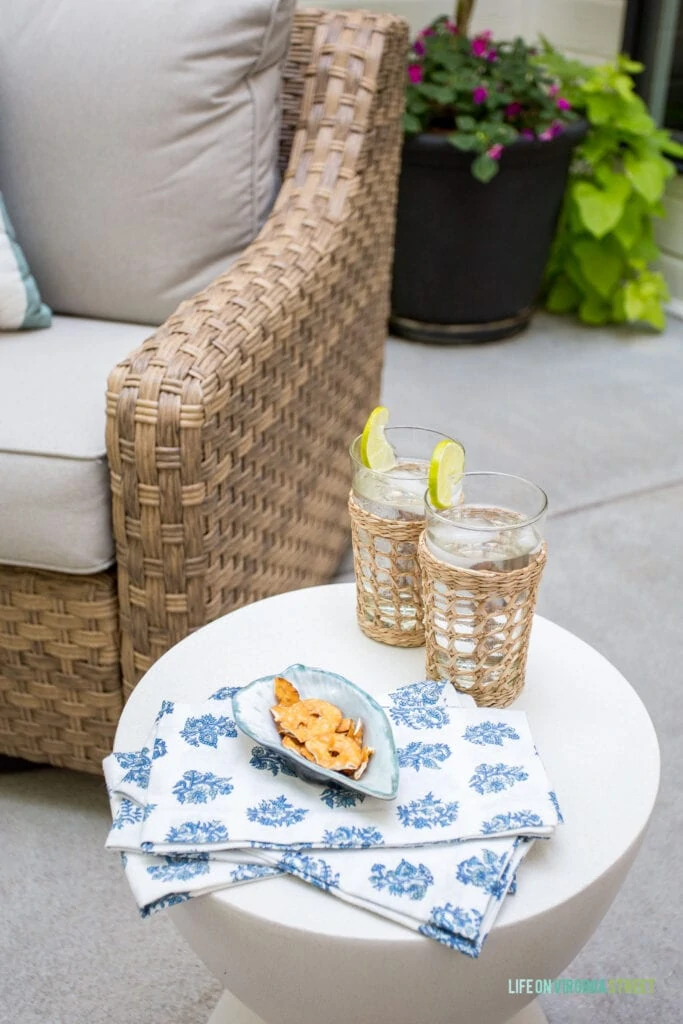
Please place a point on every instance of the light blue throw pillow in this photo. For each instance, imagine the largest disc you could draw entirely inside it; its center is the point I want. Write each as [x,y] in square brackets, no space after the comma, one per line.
[20,303]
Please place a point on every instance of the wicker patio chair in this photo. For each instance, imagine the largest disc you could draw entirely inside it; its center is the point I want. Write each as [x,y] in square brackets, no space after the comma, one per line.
[227,429]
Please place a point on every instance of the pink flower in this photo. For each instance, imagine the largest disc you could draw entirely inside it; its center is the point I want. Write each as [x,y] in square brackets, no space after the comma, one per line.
[418,47]
[452,27]
[556,128]
[553,90]
[492,55]
[480,44]
[495,152]
[563,104]
[527,133]
[415,73]
[513,109]
[480,94]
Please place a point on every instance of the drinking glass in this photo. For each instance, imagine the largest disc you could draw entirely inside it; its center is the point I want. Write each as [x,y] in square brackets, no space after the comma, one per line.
[387,517]
[481,563]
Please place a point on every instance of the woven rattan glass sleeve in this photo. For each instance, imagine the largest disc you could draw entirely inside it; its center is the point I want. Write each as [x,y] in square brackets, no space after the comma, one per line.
[227,430]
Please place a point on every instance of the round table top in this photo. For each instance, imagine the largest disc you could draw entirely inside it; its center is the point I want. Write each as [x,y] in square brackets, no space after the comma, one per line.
[591,729]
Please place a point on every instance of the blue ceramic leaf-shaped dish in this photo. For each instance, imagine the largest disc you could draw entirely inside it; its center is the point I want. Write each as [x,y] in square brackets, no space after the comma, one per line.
[251,709]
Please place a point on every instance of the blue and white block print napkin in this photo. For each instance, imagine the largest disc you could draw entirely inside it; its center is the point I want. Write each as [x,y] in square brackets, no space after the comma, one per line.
[200,807]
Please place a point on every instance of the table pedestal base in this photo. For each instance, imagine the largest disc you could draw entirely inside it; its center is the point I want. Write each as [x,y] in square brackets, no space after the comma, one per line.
[531,1014]
[231,1011]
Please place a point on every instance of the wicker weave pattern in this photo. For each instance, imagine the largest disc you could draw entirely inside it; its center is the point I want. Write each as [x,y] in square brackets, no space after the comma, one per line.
[60,683]
[478,626]
[226,429]
[388,582]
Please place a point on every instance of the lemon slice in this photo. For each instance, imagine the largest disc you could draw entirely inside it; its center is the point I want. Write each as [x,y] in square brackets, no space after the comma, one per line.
[375,451]
[445,469]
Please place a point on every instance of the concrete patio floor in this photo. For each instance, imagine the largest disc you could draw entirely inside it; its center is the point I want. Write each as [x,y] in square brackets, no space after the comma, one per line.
[595,417]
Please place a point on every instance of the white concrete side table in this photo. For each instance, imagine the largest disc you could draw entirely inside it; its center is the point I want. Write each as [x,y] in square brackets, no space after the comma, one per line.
[293,955]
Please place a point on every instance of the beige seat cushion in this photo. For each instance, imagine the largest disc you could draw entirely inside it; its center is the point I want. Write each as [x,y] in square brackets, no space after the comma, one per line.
[55,504]
[138,143]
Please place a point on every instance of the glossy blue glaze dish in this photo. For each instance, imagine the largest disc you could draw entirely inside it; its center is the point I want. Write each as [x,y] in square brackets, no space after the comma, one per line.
[251,710]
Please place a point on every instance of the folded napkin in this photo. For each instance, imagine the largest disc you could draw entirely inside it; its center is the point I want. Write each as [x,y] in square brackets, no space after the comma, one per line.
[201,807]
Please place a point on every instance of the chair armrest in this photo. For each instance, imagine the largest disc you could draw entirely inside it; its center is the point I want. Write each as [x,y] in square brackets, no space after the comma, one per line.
[227,429]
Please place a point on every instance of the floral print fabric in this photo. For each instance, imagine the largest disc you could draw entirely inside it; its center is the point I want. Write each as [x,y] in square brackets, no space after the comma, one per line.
[201,807]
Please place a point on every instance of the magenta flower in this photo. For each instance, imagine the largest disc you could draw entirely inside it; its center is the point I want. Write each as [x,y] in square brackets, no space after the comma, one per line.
[555,129]
[527,133]
[492,55]
[480,95]
[418,47]
[563,104]
[480,44]
[415,73]
[495,152]
[452,27]
[513,109]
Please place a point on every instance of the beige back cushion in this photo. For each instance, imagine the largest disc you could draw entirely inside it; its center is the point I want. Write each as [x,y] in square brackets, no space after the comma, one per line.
[138,143]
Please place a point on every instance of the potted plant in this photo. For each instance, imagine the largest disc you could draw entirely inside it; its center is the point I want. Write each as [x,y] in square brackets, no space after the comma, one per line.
[485,160]
[603,259]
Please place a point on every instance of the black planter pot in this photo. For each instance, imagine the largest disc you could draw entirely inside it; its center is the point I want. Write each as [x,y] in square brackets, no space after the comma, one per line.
[469,258]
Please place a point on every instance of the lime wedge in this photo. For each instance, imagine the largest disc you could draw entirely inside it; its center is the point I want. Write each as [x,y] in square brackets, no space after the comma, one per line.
[375,451]
[445,469]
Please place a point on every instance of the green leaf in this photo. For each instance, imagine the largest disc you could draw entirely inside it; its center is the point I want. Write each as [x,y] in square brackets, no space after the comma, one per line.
[646,175]
[594,311]
[467,143]
[563,297]
[573,272]
[602,108]
[634,120]
[600,211]
[600,143]
[411,123]
[417,104]
[612,181]
[669,145]
[654,314]
[661,287]
[618,311]
[442,94]
[484,168]
[599,264]
[633,302]
[624,86]
[644,250]
[643,299]
[466,123]
[632,67]
[630,227]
